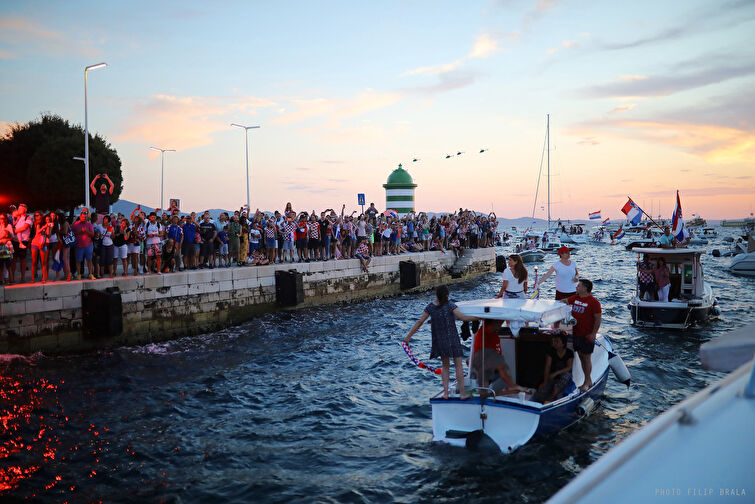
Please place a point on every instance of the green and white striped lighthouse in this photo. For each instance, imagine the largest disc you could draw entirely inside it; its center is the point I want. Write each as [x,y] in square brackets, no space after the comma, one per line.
[399,192]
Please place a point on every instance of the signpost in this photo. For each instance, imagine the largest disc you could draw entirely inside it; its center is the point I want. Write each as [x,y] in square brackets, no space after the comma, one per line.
[360,200]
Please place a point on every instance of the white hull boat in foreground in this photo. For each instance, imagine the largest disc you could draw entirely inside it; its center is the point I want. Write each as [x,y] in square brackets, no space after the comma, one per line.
[699,450]
[508,422]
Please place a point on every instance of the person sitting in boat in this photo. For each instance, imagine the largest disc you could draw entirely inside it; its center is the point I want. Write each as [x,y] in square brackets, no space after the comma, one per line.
[586,311]
[514,279]
[567,274]
[557,374]
[662,280]
[495,372]
[445,337]
[646,278]
[667,240]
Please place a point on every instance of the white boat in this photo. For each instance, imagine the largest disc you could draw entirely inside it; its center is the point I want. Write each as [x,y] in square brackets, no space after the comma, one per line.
[699,450]
[744,264]
[691,301]
[511,421]
[575,234]
[710,233]
[532,255]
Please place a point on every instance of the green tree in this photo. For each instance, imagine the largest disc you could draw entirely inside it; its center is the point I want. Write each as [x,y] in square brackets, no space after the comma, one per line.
[37,165]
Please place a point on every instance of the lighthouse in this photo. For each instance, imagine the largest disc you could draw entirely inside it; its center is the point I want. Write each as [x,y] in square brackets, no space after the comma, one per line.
[399,191]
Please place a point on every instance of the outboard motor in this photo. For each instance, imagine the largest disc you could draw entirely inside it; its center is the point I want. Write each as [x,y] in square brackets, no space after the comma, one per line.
[619,368]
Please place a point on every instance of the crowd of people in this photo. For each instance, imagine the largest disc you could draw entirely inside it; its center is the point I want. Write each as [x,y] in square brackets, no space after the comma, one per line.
[96,244]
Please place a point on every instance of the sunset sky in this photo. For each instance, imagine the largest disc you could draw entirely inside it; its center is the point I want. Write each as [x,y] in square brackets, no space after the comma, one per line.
[645,98]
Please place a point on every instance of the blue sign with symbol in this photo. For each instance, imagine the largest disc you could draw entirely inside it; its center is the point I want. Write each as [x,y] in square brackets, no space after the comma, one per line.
[360,199]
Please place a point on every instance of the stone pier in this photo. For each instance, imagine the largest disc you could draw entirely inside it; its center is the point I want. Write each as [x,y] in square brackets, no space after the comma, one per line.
[48,318]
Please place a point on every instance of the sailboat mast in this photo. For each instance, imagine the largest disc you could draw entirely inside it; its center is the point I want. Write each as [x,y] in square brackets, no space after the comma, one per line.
[548,131]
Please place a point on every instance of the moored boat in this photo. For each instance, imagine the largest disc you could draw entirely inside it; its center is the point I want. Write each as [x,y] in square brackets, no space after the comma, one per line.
[690,298]
[511,421]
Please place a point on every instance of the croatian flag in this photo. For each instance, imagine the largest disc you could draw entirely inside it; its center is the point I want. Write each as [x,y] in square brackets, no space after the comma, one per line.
[607,220]
[594,215]
[390,213]
[677,228]
[618,234]
[632,211]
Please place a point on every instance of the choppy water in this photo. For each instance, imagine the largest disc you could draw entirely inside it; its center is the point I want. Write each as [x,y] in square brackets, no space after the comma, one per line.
[319,405]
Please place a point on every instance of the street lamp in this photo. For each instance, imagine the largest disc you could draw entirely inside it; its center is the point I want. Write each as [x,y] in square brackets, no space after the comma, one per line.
[162,171]
[246,144]
[86,133]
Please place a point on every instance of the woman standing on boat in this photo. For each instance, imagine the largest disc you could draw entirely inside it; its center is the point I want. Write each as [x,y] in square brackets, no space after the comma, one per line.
[567,275]
[445,337]
[514,279]
[662,280]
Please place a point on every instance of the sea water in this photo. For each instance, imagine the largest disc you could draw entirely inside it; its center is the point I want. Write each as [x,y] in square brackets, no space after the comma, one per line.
[322,405]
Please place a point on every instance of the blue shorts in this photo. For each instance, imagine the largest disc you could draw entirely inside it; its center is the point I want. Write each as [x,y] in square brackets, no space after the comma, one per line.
[362,256]
[253,246]
[288,245]
[82,253]
[271,243]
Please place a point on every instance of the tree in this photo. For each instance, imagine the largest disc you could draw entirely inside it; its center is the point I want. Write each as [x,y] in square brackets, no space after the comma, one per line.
[37,165]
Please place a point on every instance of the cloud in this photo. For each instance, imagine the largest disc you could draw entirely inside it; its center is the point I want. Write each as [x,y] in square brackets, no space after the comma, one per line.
[670,83]
[335,110]
[566,44]
[715,144]
[183,122]
[435,69]
[26,36]
[588,141]
[622,108]
[6,54]
[540,9]
[484,46]
[446,82]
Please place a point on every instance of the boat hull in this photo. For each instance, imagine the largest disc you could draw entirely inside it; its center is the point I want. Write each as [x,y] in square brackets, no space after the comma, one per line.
[529,256]
[671,315]
[510,422]
[744,265]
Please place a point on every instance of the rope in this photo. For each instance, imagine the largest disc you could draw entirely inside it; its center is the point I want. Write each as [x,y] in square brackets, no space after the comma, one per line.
[418,363]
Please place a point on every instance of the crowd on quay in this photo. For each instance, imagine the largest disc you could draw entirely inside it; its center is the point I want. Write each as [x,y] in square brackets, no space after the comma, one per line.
[97,244]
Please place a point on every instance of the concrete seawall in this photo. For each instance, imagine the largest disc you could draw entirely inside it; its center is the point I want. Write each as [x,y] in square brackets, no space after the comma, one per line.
[48,317]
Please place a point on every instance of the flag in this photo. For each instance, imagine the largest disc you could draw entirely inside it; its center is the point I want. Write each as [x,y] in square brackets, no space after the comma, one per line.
[390,213]
[607,221]
[632,211]
[594,215]
[677,228]
[618,234]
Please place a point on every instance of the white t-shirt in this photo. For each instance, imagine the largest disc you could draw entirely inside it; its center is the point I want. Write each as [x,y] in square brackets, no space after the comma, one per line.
[565,276]
[23,235]
[254,235]
[513,285]
[155,228]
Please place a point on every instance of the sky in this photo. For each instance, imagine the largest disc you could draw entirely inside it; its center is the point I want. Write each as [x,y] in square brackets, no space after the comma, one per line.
[645,98]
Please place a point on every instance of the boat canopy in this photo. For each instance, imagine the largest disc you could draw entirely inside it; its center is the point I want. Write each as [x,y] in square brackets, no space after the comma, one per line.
[540,311]
[686,269]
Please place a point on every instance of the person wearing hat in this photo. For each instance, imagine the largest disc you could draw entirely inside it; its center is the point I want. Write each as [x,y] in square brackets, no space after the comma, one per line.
[102,198]
[567,274]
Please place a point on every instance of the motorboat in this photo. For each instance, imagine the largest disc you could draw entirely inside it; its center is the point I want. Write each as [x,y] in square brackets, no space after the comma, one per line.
[698,450]
[639,244]
[690,299]
[744,264]
[574,234]
[550,242]
[510,421]
[695,223]
[697,238]
[532,255]
[710,233]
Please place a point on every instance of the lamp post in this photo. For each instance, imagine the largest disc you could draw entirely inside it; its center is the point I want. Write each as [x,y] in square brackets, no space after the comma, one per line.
[86,133]
[246,144]
[162,171]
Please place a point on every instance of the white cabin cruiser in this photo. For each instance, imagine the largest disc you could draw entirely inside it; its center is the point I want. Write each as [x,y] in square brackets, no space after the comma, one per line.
[691,300]
[511,421]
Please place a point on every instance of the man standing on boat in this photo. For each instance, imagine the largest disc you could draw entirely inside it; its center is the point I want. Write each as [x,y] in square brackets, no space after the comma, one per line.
[667,240]
[586,311]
